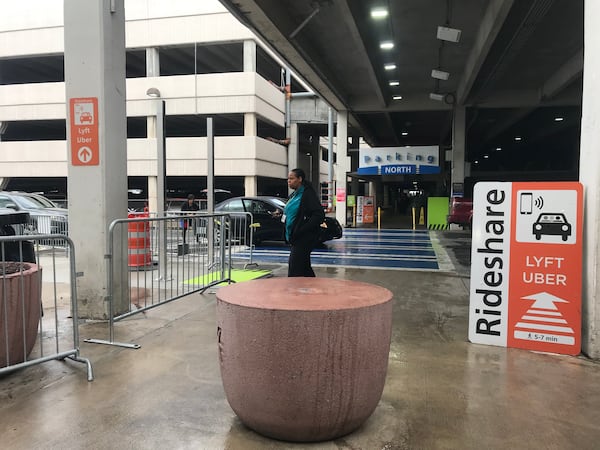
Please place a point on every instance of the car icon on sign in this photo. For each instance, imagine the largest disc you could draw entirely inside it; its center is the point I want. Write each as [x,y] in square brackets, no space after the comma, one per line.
[554,224]
[85,117]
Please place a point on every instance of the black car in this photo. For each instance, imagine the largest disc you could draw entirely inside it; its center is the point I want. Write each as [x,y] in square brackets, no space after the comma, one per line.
[266,221]
[552,224]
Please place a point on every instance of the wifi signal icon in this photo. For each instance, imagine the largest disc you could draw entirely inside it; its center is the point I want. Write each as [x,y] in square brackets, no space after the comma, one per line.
[539,203]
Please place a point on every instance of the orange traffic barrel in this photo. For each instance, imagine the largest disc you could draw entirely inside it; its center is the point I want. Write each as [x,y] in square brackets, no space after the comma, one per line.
[138,241]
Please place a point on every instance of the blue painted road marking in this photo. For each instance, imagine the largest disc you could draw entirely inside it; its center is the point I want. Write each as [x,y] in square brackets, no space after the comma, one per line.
[364,248]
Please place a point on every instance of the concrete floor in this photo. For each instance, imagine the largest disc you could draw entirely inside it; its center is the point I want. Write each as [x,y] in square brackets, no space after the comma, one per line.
[441,391]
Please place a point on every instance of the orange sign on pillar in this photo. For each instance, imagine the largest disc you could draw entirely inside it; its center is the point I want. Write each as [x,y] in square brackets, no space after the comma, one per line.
[84,131]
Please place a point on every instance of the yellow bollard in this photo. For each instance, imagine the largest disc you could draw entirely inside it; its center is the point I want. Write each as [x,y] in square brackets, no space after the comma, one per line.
[414,217]
[379,218]
[422,216]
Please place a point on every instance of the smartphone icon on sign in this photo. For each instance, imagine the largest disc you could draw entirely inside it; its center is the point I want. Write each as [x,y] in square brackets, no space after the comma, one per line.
[526,203]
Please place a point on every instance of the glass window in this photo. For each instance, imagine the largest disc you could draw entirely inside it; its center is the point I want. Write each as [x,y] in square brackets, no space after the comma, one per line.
[234,206]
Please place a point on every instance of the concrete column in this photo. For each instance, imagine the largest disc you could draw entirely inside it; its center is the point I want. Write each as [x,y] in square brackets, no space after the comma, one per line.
[152,70]
[94,34]
[590,178]
[250,128]
[293,148]
[343,163]
[250,186]
[249,56]
[458,146]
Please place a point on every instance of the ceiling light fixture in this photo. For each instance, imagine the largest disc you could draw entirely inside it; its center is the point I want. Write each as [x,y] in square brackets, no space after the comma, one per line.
[405,133]
[379,13]
[448,34]
[559,119]
[518,138]
[498,149]
[397,97]
[436,96]
[439,74]
[386,45]
[390,66]
[394,83]
[486,156]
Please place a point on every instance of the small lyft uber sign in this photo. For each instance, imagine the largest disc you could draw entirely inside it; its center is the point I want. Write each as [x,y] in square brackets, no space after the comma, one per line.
[84,131]
[526,261]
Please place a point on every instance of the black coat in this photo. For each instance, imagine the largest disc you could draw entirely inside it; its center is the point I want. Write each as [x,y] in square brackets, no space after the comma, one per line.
[310,215]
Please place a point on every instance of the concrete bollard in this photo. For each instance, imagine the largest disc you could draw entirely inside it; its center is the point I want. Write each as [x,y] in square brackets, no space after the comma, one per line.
[303,359]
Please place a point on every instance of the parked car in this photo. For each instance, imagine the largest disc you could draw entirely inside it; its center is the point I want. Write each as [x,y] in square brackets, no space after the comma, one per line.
[461,212]
[266,217]
[44,216]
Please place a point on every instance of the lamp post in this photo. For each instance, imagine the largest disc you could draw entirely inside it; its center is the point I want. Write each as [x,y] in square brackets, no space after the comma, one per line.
[161,174]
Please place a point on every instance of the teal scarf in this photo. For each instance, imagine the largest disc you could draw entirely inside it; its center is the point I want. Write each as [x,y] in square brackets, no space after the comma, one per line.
[291,211]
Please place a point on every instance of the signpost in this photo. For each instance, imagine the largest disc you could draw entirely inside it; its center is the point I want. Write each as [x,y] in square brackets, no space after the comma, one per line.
[526,265]
[84,131]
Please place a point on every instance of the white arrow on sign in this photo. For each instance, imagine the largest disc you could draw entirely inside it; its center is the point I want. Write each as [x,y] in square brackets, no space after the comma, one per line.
[84,154]
[544,300]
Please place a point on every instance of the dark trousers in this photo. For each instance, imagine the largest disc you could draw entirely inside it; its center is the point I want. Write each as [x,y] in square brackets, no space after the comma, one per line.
[299,262]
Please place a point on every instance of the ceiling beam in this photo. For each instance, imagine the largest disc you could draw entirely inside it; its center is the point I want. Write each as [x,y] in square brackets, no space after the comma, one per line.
[563,77]
[491,24]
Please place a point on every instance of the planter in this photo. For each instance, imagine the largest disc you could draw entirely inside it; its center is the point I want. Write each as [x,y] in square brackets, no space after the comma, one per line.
[20,307]
[303,359]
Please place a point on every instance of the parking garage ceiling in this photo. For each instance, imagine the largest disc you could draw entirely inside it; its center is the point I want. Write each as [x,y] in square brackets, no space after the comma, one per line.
[517,68]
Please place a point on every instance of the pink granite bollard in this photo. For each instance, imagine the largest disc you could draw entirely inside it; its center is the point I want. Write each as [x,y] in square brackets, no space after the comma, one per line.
[303,359]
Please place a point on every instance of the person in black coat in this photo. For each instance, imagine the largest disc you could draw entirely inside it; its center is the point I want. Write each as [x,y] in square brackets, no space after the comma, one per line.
[303,216]
[189,206]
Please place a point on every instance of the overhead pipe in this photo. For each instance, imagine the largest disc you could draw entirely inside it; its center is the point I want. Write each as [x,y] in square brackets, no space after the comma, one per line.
[303,24]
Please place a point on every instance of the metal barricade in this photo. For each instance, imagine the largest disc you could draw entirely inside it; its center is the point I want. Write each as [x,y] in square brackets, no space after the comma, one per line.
[168,258]
[31,310]
[241,235]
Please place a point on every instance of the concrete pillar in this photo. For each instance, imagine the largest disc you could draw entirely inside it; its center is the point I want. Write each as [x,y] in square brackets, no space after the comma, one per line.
[94,34]
[249,56]
[250,186]
[152,70]
[293,148]
[343,163]
[458,147]
[250,128]
[590,178]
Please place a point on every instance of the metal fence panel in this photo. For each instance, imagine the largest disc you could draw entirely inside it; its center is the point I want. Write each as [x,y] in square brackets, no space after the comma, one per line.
[168,258]
[31,312]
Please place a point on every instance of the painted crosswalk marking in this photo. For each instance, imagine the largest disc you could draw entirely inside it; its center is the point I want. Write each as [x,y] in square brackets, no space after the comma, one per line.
[368,248]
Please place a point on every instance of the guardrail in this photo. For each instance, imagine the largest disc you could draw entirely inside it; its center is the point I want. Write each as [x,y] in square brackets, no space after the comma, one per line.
[31,312]
[168,258]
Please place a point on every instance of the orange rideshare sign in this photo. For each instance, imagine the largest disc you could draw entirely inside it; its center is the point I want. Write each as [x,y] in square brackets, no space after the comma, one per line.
[546,267]
[85,149]
[526,265]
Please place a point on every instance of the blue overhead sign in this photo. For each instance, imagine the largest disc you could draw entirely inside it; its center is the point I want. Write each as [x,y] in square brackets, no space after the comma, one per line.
[398,160]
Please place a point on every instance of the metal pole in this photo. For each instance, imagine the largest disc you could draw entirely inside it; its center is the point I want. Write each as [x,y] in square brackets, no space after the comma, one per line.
[210,188]
[161,169]
[330,158]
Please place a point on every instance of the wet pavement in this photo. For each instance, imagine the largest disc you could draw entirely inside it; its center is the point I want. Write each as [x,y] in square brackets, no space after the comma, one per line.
[441,392]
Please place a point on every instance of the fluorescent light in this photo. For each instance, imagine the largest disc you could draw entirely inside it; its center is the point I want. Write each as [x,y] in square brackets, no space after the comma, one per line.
[405,133]
[559,119]
[386,45]
[379,13]
[486,156]
[394,83]
[390,66]
[517,138]
[498,149]
[475,162]
[438,97]
[448,34]
[397,97]
[440,74]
